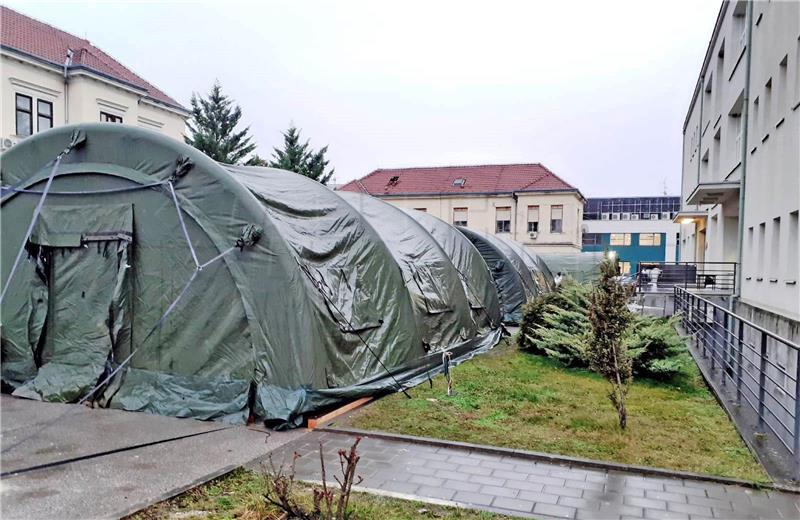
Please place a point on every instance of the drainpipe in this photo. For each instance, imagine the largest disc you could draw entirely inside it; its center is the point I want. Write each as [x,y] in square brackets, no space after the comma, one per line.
[516,200]
[743,175]
[67,65]
[700,129]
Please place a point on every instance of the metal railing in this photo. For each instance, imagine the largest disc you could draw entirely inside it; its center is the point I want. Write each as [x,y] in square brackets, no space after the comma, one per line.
[754,366]
[711,277]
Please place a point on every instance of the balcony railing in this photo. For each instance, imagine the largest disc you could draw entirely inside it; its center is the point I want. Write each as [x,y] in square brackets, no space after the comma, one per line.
[752,367]
[717,278]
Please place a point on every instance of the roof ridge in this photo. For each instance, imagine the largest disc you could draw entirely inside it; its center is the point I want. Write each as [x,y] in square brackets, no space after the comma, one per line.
[496,165]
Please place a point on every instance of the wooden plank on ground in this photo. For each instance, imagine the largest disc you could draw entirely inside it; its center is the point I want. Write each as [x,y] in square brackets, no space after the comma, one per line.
[319,421]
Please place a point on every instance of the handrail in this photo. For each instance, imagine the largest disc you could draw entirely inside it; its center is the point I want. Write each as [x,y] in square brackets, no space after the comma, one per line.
[749,323]
[762,368]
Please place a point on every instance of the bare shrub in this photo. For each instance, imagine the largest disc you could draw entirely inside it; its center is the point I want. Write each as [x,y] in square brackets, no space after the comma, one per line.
[326,502]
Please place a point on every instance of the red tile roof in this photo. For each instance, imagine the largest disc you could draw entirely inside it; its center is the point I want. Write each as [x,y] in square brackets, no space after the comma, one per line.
[45,42]
[441,180]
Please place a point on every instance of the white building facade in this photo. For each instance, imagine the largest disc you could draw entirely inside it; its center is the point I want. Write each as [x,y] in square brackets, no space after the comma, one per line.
[741,159]
[51,78]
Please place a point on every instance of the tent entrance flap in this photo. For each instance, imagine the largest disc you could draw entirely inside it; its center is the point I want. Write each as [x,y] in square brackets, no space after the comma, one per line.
[86,255]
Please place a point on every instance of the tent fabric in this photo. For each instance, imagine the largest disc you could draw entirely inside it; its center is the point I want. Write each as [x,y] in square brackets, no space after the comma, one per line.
[300,304]
[537,268]
[472,268]
[511,290]
[440,302]
[583,267]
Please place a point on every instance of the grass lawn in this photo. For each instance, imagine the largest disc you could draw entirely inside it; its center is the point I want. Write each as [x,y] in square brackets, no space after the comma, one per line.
[238,495]
[518,400]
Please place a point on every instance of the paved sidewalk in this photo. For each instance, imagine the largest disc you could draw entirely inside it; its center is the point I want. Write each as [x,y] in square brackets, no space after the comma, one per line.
[100,463]
[520,487]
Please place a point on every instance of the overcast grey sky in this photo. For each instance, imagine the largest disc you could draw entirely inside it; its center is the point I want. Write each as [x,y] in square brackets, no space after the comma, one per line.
[596,91]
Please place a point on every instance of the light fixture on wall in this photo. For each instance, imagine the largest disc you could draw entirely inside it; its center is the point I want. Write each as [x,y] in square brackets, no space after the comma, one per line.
[687,220]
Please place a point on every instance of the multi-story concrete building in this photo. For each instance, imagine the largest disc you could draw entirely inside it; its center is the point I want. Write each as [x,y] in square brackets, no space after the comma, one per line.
[635,229]
[51,78]
[741,159]
[525,202]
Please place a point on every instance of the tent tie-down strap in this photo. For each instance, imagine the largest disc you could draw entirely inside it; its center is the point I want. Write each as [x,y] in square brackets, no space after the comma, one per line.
[249,237]
[77,140]
[318,285]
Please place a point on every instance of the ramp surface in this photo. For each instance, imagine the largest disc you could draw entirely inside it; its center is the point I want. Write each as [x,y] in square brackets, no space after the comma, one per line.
[70,461]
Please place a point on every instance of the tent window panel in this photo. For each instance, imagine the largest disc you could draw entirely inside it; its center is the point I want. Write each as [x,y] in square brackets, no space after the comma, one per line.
[503,220]
[556,219]
[533,219]
[460,217]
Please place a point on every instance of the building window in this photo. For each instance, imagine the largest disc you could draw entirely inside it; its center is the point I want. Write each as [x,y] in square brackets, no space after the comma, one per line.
[556,219]
[460,217]
[624,268]
[24,115]
[533,219]
[591,239]
[503,220]
[44,115]
[649,239]
[110,118]
[620,239]
[424,210]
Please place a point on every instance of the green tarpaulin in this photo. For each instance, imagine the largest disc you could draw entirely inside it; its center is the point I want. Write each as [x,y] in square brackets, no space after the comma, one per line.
[304,298]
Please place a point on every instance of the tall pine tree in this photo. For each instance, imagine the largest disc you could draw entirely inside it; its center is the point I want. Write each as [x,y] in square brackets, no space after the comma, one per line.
[298,157]
[213,128]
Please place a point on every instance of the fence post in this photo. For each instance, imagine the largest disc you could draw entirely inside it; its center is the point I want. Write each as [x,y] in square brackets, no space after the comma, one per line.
[705,333]
[713,345]
[725,341]
[796,445]
[762,378]
[740,341]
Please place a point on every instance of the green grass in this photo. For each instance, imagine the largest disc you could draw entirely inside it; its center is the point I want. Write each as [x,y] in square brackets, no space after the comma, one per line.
[239,496]
[519,400]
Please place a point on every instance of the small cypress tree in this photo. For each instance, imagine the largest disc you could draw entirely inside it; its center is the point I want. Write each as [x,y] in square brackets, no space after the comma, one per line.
[298,157]
[609,315]
[212,128]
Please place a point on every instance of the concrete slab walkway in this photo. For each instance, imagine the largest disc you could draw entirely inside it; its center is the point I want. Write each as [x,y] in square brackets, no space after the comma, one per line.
[108,463]
[520,487]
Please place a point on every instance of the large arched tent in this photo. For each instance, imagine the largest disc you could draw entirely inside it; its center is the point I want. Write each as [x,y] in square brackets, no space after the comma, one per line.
[511,289]
[536,266]
[472,269]
[156,280]
[442,308]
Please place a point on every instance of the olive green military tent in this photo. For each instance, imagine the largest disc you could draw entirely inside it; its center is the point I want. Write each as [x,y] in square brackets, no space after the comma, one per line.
[440,302]
[514,285]
[472,268]
[140,274]
[542,277]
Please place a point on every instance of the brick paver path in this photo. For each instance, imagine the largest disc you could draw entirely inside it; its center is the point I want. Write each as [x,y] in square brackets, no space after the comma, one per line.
[521,487]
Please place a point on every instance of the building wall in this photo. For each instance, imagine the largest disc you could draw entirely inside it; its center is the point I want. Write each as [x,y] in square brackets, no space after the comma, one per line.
[635,253]
[482,212]
[87,96]
[712,153]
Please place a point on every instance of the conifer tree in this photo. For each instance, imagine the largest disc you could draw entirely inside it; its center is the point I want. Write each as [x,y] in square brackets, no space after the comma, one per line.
[212,128]
[298,157]
[609,315]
